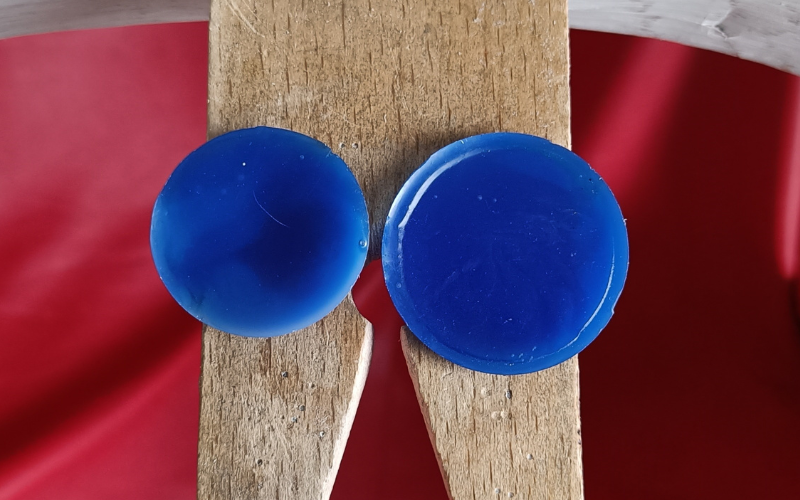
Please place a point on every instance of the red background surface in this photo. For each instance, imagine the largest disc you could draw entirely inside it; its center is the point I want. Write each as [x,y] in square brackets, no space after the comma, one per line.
[692,392]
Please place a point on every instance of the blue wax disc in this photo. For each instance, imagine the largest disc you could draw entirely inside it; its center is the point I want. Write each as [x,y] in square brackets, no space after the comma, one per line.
[505,253]
[260,232]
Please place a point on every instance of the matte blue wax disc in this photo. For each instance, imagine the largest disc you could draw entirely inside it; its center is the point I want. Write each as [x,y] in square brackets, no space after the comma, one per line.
[260,232]
[505,253]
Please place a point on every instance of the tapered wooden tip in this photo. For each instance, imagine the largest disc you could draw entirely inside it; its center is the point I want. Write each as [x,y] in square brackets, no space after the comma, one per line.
[500,436]
[276,413]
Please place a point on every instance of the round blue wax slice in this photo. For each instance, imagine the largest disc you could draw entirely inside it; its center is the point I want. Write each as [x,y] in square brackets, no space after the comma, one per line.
[260,232]
[505,253]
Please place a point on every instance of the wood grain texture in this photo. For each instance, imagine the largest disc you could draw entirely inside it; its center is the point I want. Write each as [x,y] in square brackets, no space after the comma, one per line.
[500,436]
[275,413]
[765,31]
[385,84]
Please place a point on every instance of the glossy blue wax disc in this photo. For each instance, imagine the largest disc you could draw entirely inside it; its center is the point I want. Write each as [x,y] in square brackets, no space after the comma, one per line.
[260,232]
[505,253]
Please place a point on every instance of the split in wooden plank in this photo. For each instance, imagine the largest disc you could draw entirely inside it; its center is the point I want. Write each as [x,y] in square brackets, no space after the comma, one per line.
[385,84]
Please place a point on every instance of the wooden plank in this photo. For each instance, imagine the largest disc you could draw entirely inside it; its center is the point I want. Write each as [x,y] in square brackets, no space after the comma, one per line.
[275,413]
[500,436]
[385,84]
[764,31]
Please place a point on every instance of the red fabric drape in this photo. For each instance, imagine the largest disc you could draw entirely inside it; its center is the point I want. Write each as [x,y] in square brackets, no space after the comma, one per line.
[692,392]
